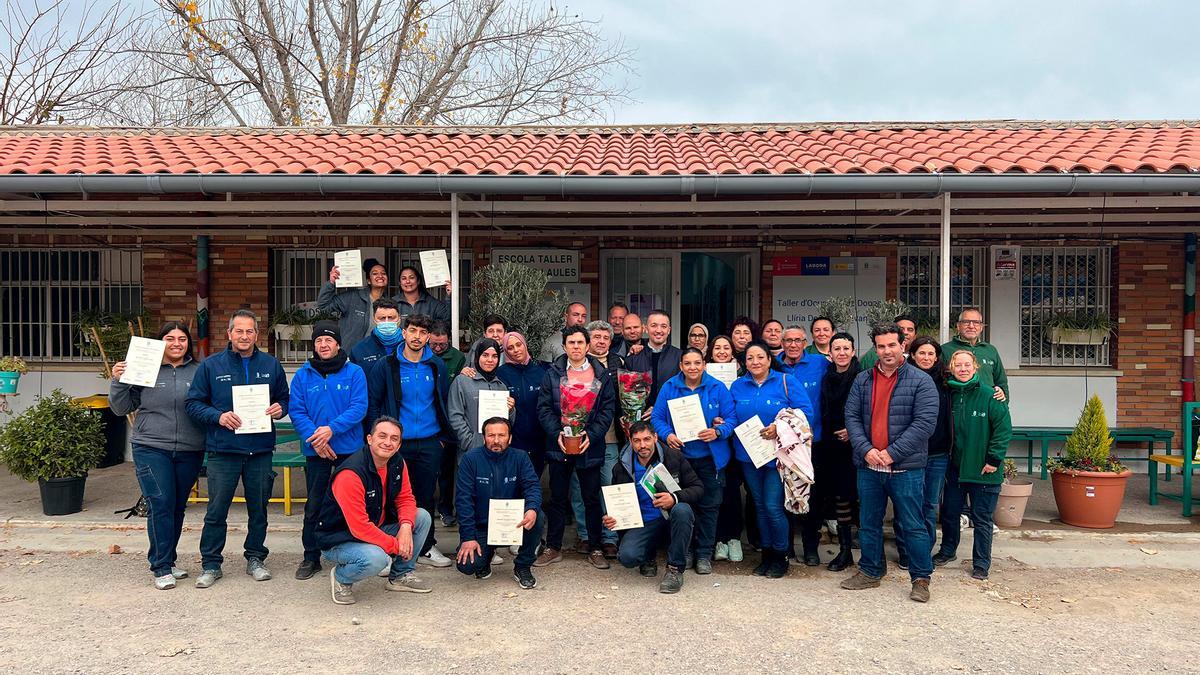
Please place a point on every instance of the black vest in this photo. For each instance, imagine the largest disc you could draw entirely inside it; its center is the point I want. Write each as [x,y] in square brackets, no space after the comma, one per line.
[380,499]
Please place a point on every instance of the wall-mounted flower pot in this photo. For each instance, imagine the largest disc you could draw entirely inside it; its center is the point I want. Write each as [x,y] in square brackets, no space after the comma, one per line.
[1078,336]
[8,381]
[290,332]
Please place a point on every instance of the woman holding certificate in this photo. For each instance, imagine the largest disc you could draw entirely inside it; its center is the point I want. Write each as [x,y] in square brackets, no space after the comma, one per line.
[168,446]
[479,397]
[706,449]
[735,509]
[758,396]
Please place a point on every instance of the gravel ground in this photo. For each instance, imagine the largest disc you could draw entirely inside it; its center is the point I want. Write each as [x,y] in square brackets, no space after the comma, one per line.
[95,612]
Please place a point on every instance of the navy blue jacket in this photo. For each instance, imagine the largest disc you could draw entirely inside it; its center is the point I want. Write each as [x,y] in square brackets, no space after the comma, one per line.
[211,395]
[912,416]
[383,390]
[550,412]
[524,383]
[367,352]
[484,475]
[668,366]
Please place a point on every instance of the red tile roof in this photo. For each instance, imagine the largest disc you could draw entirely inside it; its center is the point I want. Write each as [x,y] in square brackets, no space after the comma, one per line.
[966,147]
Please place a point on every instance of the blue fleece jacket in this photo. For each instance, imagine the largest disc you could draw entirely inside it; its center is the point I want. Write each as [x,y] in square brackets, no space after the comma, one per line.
[211,395]
[714,400]
[524,383]
[338,402]
[414,393]
[777,392]
[809,371]
[484,475]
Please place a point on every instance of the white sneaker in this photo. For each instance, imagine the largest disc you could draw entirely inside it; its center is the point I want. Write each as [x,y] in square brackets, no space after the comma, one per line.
[387,571]
[435,559]
[179,573]
[721,552]
[496,559]
[964,523]
[995,528]
[514,550]
[164,583]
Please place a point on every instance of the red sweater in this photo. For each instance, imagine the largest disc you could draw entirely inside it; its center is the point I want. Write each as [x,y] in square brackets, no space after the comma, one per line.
[882,387]
[350,494]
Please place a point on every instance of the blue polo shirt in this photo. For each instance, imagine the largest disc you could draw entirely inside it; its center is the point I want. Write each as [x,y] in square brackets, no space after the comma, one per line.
[649,510]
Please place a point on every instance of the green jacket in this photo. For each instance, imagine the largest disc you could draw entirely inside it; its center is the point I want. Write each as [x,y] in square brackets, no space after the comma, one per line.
[991,369]
[812,349]
[982,431]
[868,360]
[455,360]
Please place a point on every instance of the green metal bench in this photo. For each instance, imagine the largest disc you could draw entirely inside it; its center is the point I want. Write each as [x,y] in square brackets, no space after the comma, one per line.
[1047,435]
[284,433]
[1185,462]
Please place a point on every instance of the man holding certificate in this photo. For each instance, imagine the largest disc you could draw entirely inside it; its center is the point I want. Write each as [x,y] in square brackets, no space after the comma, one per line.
[490,478]
[666,511]
[213,401]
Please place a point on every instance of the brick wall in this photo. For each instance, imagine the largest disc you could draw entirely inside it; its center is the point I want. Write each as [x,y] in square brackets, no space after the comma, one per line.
[1149,300]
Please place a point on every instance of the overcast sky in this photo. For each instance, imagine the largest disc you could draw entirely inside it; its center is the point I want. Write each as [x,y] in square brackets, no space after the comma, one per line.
[749,61]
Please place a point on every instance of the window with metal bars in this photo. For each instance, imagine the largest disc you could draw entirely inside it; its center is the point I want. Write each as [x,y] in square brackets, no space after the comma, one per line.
[918,282]
[1057,279]
[43,292]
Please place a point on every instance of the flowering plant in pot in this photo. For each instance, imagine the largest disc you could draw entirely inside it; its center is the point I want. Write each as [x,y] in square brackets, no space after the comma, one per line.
[1089,483]
[577,401]
[55,442]
[11,370]
[1014,497]
[634,393]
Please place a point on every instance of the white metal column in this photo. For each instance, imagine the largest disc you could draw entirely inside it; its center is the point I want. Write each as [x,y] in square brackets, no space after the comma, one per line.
[455,269]
[944,286]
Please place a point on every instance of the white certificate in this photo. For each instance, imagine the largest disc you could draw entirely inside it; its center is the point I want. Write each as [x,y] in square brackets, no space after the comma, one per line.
[492,403]
[350,271]
[504,522]
[687,416]
[435,268]
[621,503]
[143,361]
[250,403]
[760,449]
[725,372]
[658,479]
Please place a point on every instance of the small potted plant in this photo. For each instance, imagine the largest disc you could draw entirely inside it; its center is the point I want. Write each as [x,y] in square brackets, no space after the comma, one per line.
[55,442]
[11,370]
[887,311]
[1014,497]
[1089,484]
[841,310]
[1079,328]
[292,324]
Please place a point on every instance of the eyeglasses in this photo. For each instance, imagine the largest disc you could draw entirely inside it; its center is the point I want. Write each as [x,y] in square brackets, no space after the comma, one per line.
[970,322]
[793,340]
[697,335]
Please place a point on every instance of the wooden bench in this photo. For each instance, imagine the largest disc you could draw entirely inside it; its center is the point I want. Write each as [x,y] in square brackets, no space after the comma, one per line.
[284,433]
[1046,435]
[1185,462]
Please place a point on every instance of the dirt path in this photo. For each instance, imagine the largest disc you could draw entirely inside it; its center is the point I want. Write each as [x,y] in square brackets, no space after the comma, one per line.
[90,611]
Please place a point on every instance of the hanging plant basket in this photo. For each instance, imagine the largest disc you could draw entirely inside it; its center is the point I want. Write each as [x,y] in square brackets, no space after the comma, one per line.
[1078,336]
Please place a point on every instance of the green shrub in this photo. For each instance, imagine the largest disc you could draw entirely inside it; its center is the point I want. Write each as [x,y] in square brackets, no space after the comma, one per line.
[1089,445]
[517,293]
[55,438]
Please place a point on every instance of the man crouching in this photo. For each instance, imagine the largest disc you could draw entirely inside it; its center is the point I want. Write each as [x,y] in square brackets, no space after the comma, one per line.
[370,521]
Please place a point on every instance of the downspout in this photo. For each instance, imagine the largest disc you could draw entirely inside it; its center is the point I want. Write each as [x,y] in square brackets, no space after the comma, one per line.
[455,267]
[1189,318]
[944,310]
[202,291]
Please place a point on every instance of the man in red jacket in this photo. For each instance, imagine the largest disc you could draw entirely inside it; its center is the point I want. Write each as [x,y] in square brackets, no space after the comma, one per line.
[370,522]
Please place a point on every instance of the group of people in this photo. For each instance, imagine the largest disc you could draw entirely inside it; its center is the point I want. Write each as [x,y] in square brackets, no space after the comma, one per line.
[922,424]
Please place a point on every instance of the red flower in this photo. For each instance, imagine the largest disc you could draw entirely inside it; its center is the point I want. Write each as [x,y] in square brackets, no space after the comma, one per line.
[577,401]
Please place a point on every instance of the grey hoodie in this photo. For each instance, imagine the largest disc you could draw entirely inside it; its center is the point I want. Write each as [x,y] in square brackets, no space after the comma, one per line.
[162,420]
[462,409]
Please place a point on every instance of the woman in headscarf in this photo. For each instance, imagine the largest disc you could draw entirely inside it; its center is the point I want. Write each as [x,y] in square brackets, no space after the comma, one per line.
[463,404]
[697,337]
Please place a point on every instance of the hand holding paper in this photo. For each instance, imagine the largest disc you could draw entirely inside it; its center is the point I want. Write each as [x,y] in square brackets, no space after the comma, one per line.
[505,517]
[688,417]
[143,361]
[349,267]
[435,268]
[621,505]
[760,450]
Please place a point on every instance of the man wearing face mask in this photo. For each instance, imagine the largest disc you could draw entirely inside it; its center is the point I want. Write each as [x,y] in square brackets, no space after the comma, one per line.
[383,338]
[355,305]
[328,404]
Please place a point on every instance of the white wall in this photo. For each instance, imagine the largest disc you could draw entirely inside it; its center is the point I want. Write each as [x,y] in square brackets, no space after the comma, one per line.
[1056,400]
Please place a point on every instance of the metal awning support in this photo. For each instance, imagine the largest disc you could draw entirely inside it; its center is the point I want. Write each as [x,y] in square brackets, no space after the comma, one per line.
[944,320]
[455,268]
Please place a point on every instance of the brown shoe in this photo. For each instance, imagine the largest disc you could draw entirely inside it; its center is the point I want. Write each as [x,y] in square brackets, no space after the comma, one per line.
[598,561]
[610,551]
[549,555]
[582,547]
[860,582]
[920,591]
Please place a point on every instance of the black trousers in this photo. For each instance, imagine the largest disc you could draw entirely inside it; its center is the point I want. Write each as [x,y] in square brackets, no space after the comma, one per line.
[560,502]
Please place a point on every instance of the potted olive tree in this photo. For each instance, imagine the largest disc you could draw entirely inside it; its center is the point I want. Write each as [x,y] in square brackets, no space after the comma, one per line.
[55,442]
[1089,484]
[519,293]
[1014,497]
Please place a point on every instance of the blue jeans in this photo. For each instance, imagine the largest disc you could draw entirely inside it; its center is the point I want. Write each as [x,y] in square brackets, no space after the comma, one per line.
[935,480]
[907,492]
[357,560]
[257,477]
[530,539]
[766,488]
[708,507]
[166,479]
[611,454]
[983,505]
[641,545]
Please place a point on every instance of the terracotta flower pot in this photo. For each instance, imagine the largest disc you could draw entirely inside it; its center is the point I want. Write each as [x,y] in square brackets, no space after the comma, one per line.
[571,445]
[1014,496]
[1089,498]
